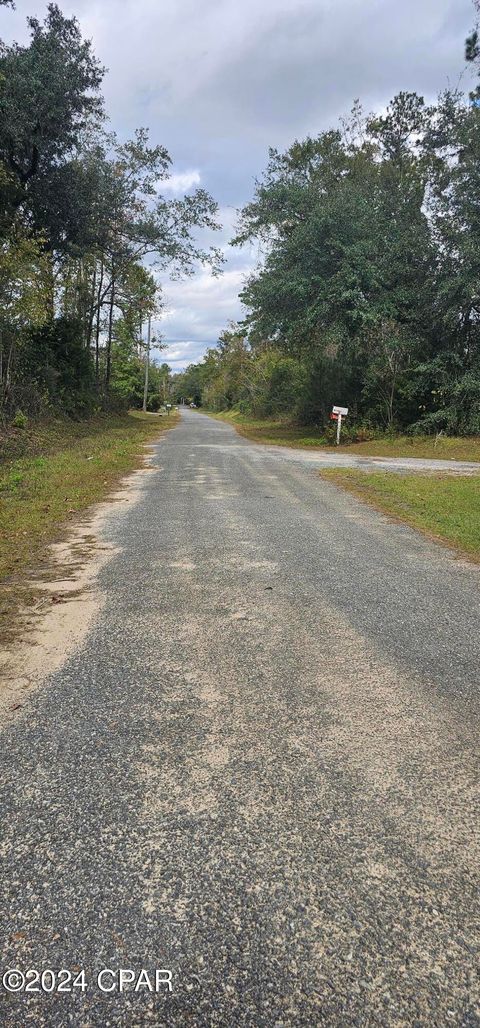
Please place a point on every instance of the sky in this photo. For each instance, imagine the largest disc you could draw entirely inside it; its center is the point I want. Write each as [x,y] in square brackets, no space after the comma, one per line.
[218,82]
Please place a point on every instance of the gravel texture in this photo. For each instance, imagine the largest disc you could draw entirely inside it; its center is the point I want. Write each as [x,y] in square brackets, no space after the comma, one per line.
[259,770]
[332,459]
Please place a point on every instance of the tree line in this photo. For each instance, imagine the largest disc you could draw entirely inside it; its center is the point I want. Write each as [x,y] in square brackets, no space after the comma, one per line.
[367,293]
[84,231]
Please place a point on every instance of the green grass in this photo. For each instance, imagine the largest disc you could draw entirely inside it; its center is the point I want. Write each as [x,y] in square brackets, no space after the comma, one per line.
[446,507]
[284,433]
[269,430]
[70,466]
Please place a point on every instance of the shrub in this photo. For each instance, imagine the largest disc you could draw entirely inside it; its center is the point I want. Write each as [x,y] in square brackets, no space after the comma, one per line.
[20,420]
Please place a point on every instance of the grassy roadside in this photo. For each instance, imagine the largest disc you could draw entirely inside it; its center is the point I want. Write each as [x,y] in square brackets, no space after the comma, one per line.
[446,507]
[70,466]
[283,433]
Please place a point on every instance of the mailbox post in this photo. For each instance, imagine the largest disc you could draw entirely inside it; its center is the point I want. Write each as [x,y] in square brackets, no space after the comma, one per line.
[337,414]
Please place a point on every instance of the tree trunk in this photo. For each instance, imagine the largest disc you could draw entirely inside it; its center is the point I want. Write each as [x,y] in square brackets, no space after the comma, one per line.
[50,304]
[108,367]
[8,369]
[88,341]
[147,365]
[2,391]
[97,329]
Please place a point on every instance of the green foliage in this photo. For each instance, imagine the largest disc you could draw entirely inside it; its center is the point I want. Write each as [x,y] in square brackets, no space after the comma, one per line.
[276,384]
[23,282]
[472,52]
[367,294]
[128,375]
[48,94]
[368,291]
[20,420]
[80,215]
[56,362]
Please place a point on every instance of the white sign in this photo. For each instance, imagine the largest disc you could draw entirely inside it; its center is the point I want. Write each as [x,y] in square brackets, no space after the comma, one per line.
[340,410]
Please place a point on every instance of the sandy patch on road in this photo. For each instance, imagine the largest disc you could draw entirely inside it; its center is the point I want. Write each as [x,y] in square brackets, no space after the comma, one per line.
[182,565]
[69,599]
[413,753]
[293,694]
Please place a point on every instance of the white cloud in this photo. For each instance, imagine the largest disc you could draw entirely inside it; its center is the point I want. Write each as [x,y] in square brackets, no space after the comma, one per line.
[198,309]
[181,181]
[182,354]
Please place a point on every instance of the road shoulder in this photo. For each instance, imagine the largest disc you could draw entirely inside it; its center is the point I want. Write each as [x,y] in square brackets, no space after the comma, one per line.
[57,599]
[442,507]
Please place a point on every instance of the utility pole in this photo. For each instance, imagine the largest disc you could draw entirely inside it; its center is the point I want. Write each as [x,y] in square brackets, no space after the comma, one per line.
[147,363]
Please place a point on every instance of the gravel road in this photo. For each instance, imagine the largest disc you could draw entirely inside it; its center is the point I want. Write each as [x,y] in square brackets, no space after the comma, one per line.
[332,459]
[259,770]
